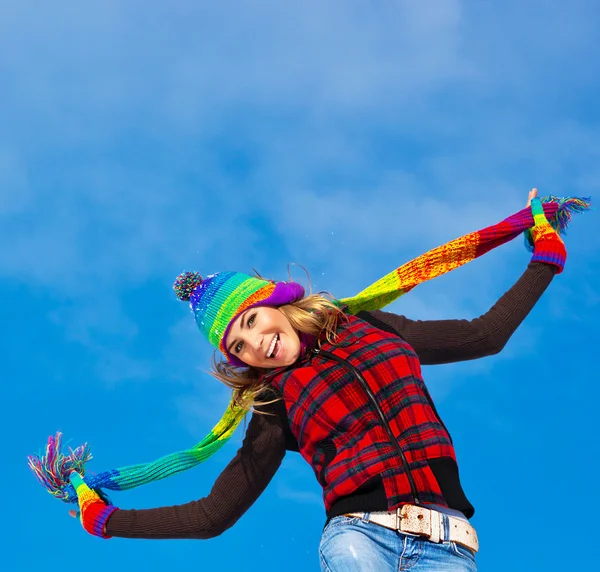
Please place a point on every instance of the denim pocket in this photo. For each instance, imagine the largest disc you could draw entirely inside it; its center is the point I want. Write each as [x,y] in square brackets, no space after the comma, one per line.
[348,543]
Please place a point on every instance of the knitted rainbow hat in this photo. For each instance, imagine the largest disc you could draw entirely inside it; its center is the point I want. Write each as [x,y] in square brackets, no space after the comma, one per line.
[220,298]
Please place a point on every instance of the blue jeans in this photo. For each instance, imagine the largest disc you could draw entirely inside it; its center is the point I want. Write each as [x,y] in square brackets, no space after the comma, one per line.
[356,545]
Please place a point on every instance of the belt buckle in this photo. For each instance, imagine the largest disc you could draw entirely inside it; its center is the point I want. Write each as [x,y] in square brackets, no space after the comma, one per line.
[417,520]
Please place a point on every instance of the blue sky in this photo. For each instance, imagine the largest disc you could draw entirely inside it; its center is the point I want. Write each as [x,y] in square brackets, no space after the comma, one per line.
[138,139]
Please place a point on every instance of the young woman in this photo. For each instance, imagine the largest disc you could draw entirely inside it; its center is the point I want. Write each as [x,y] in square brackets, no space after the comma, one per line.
[347,393]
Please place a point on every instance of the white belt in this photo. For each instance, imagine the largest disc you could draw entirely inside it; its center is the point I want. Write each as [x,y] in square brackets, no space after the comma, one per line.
[422,521]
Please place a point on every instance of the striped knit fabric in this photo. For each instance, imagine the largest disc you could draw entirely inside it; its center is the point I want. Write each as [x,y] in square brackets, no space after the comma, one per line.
[217,300]
[543,241]
[442,260]
[52,468]
[94,512]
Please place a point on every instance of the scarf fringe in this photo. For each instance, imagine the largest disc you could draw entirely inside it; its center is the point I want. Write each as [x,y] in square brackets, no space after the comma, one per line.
[567,207]
[53,468]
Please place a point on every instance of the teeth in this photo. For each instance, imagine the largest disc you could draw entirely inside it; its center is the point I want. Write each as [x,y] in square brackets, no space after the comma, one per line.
[272,346]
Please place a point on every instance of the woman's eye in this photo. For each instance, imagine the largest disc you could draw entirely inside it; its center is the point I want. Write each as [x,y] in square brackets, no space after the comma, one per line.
[251,320]
[238,347]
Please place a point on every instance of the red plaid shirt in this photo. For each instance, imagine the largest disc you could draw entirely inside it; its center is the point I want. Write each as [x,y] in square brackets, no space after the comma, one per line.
[337,427]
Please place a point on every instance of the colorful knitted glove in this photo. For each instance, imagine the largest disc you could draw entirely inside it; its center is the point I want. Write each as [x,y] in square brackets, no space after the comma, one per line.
[94,512]
[547,246]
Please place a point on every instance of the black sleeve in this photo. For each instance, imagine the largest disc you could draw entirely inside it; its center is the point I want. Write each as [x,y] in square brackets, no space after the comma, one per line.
[234,491]
[446,341]
[276,406]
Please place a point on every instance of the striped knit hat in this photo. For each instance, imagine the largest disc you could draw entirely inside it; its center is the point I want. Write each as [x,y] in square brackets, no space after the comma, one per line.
[220,298]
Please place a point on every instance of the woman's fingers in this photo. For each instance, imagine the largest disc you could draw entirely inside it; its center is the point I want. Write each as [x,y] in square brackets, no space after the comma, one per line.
[532,195]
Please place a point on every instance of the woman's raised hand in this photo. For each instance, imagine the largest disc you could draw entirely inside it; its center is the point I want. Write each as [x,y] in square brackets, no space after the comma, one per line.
[93,511]
[532,195]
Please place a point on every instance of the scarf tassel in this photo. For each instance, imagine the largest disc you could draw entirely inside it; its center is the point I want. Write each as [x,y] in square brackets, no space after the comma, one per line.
[567,207]
[53,468]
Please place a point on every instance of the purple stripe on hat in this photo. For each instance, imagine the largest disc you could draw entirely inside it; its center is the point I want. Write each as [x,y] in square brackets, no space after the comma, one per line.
[284,293]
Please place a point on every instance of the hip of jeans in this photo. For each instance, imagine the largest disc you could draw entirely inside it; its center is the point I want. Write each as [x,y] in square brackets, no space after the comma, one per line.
[351,543]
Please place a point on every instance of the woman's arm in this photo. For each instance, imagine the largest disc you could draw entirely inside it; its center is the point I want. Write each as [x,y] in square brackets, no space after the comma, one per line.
[446,341]
[234,491]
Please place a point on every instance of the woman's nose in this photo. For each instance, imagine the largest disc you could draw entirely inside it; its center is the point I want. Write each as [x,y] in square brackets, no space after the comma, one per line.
[257,343]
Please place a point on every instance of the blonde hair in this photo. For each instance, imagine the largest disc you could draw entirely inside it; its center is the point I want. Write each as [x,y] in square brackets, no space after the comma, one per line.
[314,314]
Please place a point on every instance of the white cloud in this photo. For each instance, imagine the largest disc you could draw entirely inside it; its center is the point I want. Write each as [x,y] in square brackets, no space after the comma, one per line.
[118,164]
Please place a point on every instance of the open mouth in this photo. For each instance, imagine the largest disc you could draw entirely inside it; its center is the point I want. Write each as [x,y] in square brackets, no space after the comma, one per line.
[274,347]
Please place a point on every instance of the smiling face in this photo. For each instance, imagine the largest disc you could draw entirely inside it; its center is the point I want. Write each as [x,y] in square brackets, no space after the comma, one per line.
[263,337]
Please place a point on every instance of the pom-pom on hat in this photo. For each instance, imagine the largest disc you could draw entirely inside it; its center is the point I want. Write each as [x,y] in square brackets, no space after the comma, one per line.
[220,298]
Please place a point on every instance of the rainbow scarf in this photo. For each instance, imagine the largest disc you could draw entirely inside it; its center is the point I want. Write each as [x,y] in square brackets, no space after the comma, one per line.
[53,468]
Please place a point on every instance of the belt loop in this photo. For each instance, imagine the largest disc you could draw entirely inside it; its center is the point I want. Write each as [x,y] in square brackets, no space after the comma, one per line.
[365,517]
[444,528]
[436,525]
